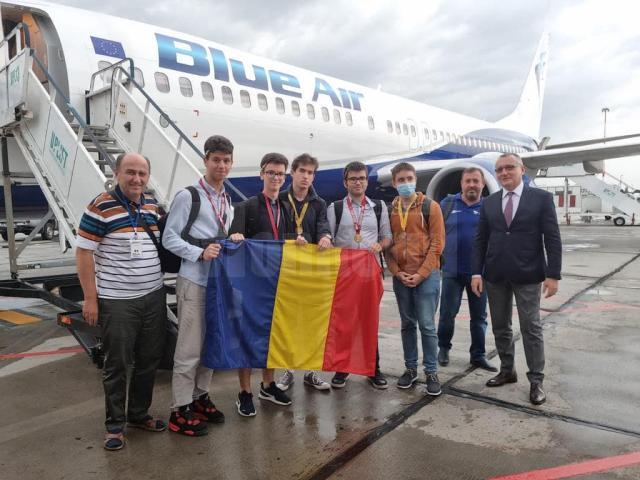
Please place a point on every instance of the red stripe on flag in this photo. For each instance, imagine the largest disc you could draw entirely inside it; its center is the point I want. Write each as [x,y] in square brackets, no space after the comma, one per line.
[575,469]
[62,351]
[352,336]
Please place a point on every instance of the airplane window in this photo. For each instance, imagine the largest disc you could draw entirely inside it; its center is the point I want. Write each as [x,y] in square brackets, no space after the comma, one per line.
[389,126]
[185,87]
[413,131]
[162,82]
[441,135]
[398,128]
[434,135]
[372,125]
[426,134]
[245,99]
[138,77]
[227,95]
[279,105]
[295,108]
[405,130]
[325,114]
[262,102]
[311,112]
[336,117]
[349,118]
[207,91]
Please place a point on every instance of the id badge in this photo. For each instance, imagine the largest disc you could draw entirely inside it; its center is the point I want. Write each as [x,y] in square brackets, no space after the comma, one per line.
[136,248]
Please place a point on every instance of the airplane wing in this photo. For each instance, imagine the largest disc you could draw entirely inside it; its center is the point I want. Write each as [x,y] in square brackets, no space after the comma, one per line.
[559,156]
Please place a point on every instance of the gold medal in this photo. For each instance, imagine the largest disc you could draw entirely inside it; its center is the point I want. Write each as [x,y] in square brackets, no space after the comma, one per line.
[358,238]
[299,230]
[299,217]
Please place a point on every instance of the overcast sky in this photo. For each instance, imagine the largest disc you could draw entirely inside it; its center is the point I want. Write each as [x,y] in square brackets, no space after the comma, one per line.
[463,55]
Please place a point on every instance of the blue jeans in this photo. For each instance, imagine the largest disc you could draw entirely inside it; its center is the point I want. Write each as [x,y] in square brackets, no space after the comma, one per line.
[418,307]
[452,288]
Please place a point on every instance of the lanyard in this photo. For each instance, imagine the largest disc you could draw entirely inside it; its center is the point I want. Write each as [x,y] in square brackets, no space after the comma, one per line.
[274,223]
[299,217]
[404,217]
[134,221]
[220,212]
[357,224]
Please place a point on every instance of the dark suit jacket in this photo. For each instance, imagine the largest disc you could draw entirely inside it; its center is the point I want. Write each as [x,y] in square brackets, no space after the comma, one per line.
[517,254]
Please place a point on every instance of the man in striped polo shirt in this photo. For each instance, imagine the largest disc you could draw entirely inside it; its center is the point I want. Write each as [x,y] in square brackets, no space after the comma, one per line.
[119,271]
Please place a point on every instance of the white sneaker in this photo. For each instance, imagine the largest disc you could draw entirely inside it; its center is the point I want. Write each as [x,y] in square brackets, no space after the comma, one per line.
[312,379]
[286,380]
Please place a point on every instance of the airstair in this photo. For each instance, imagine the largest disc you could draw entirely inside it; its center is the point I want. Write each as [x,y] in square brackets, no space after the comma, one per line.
[72,157]
[619,195]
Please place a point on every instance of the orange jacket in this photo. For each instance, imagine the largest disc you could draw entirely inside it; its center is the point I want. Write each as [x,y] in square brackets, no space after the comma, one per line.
[419,250]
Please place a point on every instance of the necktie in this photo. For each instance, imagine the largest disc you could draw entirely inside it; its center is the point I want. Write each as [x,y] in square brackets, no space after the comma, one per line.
[508,209]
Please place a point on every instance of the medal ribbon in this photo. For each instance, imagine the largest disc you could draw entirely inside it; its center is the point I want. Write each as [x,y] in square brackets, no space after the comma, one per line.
[274,223]
[220,213]
[357,224]
[404,217]
[298,217]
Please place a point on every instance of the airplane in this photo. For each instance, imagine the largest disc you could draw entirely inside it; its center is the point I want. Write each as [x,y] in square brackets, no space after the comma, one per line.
[264,105]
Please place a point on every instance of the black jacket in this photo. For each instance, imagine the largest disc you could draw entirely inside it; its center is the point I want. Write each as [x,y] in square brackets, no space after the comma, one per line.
[314,224]
[517,253]
[251,219]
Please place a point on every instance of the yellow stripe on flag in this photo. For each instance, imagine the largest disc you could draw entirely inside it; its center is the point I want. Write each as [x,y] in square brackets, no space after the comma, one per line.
[302,307]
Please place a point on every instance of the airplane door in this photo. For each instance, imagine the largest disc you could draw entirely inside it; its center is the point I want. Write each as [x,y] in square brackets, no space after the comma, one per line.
[414,138]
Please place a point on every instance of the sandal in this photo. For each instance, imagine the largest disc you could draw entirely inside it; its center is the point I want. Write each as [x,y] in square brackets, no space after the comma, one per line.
[114,440]
[150,424]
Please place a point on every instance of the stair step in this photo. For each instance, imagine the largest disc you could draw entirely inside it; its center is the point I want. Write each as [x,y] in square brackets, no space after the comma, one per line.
[108,149]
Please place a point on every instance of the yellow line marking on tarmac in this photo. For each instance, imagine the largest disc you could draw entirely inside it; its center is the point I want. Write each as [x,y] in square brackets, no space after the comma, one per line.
[17,318]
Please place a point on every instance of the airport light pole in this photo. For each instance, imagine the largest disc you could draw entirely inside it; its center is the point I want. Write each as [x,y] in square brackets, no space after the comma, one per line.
[605,110]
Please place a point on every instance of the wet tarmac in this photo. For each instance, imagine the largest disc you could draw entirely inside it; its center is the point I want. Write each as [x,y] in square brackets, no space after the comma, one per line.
[589,428]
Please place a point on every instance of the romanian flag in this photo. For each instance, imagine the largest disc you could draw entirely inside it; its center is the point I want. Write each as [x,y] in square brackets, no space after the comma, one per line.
[274,304]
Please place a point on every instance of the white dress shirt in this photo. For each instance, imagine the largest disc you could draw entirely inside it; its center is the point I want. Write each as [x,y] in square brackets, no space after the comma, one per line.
[515,198]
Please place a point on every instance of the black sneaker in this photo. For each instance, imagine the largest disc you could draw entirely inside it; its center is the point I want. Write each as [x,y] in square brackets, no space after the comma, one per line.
[379,381]
[245,404]
[433,384]
[408,378]
[443,357]
[185,422]
[204,409]
[273,394]
[339,380]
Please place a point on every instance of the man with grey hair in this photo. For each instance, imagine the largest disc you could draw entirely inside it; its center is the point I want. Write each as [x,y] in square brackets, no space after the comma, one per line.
[461,213]
[517,249]
[119,271]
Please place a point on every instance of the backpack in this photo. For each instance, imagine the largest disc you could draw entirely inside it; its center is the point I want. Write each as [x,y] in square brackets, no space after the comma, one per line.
[169,261]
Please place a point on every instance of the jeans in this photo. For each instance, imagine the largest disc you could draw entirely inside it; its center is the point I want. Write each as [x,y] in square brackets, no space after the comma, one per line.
[133,335]
[452,288]
[418,307]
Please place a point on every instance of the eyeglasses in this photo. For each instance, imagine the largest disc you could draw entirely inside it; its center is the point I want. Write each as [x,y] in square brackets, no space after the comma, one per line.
[357,179]
[272,174]
[506,168]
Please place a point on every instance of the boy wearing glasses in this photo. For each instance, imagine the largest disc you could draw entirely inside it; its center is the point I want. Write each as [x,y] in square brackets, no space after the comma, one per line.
[262,217]
[306,223]
[360,222]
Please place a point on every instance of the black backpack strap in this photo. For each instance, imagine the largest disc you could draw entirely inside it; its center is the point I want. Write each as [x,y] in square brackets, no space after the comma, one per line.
[338,206]
[426,209]
[448,203]
[377,209]
[193,214]
[152,235]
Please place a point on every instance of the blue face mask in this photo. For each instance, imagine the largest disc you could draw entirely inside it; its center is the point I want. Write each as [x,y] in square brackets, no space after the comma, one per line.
[406,189]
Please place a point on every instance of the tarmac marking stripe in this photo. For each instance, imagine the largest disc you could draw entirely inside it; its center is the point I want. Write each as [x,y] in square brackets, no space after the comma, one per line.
[17,318]
[576,469]
[62,351]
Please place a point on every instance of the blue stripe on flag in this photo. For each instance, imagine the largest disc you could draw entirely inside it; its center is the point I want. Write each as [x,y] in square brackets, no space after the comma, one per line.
[110,48]
[239,317]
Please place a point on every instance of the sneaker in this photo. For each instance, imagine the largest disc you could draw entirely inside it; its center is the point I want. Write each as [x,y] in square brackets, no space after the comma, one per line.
[379,381]
[339,380]
[185,422]
[245,404]
[433,384]
[273,394]
[204,409]
[312,379]
[408,378]
[443,357]
[286,380]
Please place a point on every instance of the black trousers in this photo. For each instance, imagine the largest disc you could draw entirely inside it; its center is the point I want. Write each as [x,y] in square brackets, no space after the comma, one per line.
[133,339]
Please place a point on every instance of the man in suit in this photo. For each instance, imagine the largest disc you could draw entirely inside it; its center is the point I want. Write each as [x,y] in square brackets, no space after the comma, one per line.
[517,227]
